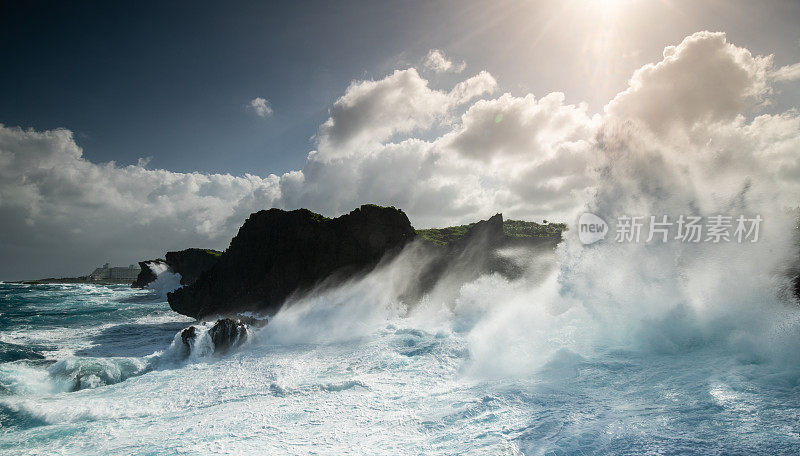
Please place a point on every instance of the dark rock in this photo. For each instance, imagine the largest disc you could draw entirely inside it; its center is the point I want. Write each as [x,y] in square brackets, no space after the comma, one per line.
[189,263]
[227,333]
[277,253]
[188,335]
[253,322]
[146,275]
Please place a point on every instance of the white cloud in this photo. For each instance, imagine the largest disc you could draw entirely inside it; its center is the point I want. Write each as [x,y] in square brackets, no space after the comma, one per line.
[787,73]
[76,210]
[261,107]
[373,111]
[534,161]
[443,156]
[703,79]
[520,127]
[437,62]
[481,84]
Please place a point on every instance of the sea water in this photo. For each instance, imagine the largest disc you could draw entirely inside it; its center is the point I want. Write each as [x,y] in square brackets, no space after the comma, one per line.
[499,369]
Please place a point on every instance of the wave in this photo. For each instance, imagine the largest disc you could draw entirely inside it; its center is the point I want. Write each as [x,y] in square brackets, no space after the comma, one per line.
[69,374]
[166,280]
[14,352]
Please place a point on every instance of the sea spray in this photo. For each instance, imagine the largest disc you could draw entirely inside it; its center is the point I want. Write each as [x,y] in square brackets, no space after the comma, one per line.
[166,280]
[653,297]
[73,374]
[416,375]
[667,297]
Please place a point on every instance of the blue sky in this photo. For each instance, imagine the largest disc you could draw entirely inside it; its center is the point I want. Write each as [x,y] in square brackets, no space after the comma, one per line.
[170,80]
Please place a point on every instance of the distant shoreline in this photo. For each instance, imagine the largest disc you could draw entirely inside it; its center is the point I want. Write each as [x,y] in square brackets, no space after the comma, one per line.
[85,280]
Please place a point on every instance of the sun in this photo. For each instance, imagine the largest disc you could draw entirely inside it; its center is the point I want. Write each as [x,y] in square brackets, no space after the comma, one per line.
[610,4]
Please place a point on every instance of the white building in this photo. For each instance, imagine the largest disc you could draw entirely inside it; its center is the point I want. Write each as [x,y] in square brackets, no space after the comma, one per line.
[115,273]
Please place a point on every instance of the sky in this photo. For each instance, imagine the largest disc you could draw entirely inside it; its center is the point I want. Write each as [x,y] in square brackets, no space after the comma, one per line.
[131,129]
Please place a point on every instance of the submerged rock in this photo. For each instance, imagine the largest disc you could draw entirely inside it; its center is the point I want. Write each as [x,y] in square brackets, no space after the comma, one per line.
[226,334]
[188,335]
[277,253]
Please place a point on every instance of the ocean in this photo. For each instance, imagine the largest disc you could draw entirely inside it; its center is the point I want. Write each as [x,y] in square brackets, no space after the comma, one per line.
[499,367]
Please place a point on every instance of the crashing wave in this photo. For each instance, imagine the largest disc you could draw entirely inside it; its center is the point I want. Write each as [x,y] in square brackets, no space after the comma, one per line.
[166,281]
[208,338]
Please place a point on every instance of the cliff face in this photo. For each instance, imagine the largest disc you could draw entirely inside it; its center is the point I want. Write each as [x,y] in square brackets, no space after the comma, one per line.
[277,253]
[189,263]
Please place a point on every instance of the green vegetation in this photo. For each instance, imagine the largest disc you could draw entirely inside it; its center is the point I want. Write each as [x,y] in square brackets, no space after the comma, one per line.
[443,236]
[213,252]
[520,228]
[314,217]
[378,206]
[511,228]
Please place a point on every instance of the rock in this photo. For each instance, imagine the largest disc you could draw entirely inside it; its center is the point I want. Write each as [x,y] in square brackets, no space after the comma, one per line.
[226,334]
[188,335]
[490,231]
[189,263]
[277,253]
[146,274]
[463,253]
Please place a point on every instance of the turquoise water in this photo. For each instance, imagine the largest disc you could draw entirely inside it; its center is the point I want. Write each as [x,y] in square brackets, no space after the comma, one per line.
[63,338]
[92,370]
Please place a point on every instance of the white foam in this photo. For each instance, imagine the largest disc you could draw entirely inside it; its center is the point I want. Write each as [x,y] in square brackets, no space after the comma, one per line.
[166,280]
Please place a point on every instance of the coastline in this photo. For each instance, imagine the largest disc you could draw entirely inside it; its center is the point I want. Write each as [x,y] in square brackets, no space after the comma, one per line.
[84,280]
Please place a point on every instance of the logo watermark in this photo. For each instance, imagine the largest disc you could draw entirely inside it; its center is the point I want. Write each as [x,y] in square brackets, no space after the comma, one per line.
[662,228]
[591,228]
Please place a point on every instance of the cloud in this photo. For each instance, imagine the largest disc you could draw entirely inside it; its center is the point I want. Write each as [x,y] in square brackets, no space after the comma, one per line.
[261,107]
[520,128]
[703,79]
[373,111]
[438,63]
[60,211]
[787,73]
[524,156]
[444,156]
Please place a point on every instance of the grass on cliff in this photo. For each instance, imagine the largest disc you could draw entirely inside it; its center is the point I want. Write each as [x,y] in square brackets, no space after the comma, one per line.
[511,228]
[521,228]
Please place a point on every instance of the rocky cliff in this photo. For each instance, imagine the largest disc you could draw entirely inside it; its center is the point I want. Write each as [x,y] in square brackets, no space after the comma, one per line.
[451,257]
[192,263]
[146,274]
[189,263]
[277,253]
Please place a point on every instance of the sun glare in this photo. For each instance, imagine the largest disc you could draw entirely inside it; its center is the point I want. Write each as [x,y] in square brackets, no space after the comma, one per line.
[610,5]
